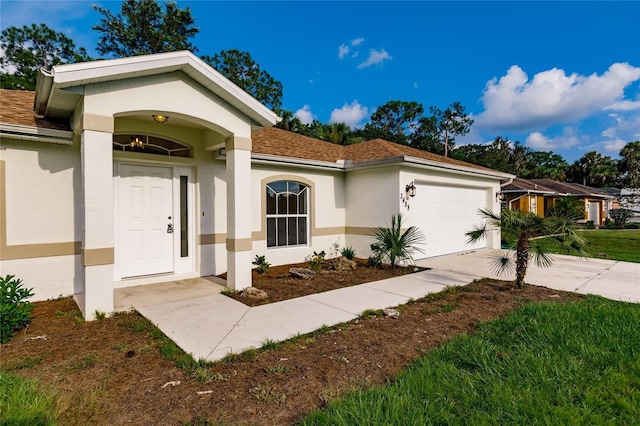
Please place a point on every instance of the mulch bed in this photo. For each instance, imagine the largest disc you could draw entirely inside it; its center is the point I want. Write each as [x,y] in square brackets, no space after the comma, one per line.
[105,372]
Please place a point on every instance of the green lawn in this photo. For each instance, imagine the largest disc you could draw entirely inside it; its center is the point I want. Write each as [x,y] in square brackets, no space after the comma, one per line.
[611,244]
[574,363]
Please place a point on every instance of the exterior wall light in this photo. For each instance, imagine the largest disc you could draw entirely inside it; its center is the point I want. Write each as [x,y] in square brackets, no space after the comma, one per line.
[160,118]
[500,196]
[411,190]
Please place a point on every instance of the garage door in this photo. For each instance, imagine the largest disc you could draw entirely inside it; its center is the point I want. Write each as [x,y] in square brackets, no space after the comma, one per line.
[445,214]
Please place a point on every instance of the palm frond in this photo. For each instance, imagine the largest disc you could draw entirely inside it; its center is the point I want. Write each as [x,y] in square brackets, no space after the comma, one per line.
[479,232]
[541,255]
[502,262]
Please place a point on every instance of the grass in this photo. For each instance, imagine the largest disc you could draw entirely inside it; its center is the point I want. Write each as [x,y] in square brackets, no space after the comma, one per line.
[610,244]
[23,402]
[575,363]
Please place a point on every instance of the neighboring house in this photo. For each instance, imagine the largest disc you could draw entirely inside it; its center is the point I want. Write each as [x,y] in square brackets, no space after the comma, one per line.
[630,199]
[538,195]
[98,190]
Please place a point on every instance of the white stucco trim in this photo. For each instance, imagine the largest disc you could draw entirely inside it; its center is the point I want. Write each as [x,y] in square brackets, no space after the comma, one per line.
[36,134]
[430,165]
[85,73]
[296,162]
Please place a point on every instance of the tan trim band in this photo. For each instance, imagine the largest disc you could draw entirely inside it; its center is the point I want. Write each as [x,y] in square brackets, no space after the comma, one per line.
[206,239]
[31,251]
[27,251]
[98,123]
[100,256]
[330,230]
[235,142]
[239,244]
[358,230]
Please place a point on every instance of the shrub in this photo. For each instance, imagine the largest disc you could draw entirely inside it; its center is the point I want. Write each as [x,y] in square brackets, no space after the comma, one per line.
[261,263]
[590,224]
[394,245]
[316,260]
[620,216]
[15,310]
[348,252]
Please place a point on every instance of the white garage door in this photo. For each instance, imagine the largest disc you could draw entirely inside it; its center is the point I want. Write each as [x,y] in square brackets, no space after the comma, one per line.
[445,214]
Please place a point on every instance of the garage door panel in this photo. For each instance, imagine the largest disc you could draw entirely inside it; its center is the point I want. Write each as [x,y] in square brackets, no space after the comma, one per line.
[445,214]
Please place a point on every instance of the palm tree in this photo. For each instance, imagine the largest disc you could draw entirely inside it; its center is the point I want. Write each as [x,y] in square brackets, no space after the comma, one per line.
[394,245]
[519,230]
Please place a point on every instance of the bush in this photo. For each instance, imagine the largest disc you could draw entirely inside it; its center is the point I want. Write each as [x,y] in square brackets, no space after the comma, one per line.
[261,263]
[348,252]
[395,246]
[590,224]
[620,216]
[316,260]
[15,310]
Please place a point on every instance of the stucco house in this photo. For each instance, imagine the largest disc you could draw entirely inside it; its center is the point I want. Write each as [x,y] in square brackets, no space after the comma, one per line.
[154,168]
[539,195]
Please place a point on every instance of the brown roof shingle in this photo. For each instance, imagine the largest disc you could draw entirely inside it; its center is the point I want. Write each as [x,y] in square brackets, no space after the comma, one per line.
[279,142]
[16,107]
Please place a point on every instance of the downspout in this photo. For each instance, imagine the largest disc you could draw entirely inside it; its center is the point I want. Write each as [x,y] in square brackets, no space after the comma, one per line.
[44,84]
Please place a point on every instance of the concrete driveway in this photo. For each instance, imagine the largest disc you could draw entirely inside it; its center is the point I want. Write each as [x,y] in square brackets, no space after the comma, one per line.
[608,278]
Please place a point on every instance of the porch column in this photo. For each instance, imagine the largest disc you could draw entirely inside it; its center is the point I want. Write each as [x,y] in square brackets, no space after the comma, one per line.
[97,209]
[239,244]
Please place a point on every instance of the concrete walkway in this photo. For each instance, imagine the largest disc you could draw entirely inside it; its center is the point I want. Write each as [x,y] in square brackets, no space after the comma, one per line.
[209,325]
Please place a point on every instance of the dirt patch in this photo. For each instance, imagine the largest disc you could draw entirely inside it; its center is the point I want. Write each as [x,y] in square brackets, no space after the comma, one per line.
[110,372]
[279,285]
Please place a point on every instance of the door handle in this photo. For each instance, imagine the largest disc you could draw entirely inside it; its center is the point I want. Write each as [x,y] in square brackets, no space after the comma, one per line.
[170,228]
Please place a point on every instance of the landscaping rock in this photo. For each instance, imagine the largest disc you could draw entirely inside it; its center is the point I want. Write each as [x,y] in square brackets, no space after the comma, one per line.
[254,293]
[391,313]
[303,273]
[342,264]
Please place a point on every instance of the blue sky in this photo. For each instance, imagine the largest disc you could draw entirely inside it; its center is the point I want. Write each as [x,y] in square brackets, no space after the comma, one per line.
[555,76]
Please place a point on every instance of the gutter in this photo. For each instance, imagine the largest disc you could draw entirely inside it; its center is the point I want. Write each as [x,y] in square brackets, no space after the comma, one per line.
[36,134]
[44,84]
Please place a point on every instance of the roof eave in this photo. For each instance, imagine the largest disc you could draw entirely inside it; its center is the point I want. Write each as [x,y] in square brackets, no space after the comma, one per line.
[83,73]
[36,134]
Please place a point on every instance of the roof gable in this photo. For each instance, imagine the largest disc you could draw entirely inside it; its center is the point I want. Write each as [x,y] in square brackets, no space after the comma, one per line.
[50,84]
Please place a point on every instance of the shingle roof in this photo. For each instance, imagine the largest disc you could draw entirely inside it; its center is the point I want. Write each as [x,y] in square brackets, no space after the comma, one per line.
[520,184]
[570,188]
[16,107]
[279,142]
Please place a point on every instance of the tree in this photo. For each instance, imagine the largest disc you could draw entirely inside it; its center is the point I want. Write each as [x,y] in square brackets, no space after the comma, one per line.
[518,229]
[30,48]
[395,121]
[544,164]
[629,165]
[394,245]
[240,68]
[450,123]
[289,121]
[143,27]
[593,169]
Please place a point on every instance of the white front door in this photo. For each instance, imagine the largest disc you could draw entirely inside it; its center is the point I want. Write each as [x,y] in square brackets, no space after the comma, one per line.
[594,212]
[145,221]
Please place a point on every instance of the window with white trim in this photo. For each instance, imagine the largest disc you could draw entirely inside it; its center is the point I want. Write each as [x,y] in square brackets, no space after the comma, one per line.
[287,214]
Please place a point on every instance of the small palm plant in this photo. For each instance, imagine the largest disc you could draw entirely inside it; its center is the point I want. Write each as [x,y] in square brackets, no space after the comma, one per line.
[519,230]
[394,245]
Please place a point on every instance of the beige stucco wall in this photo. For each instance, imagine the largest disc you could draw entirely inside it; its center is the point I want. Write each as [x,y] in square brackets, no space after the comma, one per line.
[326,212]
[41,219]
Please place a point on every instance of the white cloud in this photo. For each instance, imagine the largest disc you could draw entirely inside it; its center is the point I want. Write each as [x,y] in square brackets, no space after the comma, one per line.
[624,105]
[357,41]
[514,102]
[343,51]
[415,85]
[614,146]
[376,57]
[352,114]
[305,115]
[567,139]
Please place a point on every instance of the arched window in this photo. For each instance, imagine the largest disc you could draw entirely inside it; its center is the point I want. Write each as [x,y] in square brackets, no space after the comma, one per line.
[150,145]
[287,214]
